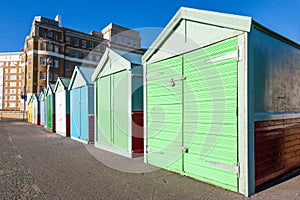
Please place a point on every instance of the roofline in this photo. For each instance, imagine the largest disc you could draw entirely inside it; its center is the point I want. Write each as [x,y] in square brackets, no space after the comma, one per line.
[77,70]
[192,14]
[11,53]
[101,63]
[104,60]
[51,89]
[278,36]
[59,80]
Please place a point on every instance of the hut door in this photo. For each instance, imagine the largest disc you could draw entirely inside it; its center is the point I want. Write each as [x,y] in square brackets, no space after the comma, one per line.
[191,114]
[49,111]
[76,117]
[164,114]
[210,114]
[83,114]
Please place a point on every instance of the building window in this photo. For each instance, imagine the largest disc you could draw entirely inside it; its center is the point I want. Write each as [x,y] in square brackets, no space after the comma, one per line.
[29,61]
[67,52]
[82,55]
[19,91]
[75,54]
[67,66]
[68,40]
[54,37]
[123,40]
[12,98]
[76,42]
[42,88]
[43,75]
[13,64]
[50,76]
[91,45]
[97,58]
[1,64]
[43,34]
[42,61]
[56,63]
[30,45]
[55,77]
[42,46]
[13,71]
[56,49]
[13,77]
[28,89]
[13,84]
[20,77]
[98,47]
[49,34]
[134,43]
[49,47]
[128,41]
[83,44]
[12,91]
[90,56]
[29,76]
[12,105]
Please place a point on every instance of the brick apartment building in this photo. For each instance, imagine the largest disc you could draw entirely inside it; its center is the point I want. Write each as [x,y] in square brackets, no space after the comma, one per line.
[12,81]
[68,48]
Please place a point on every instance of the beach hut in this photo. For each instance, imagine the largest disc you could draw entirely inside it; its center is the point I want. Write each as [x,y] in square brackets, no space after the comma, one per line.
[35,109]
[62,106]
[119,103]
[50,108]
[82,104]
[29,110]
[42,98]
[221,99]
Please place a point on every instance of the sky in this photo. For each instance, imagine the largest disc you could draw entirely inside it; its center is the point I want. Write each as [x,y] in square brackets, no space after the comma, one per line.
[16,16]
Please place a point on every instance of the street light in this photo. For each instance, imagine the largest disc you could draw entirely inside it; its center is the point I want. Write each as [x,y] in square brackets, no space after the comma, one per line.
[49,64]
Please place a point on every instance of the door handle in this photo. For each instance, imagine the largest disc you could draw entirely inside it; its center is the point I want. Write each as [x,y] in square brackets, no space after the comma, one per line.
[172,81]
[182,148]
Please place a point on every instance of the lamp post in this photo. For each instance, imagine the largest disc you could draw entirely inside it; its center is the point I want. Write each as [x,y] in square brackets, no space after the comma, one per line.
[49,64]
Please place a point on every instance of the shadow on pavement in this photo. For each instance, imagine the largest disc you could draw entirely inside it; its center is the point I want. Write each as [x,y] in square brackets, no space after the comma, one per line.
[278,180]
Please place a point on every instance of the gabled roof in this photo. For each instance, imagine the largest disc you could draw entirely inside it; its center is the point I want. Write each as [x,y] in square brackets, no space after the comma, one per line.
[62,81]
[83,73]
[236,22]
[49,89]
[114,55]
[224,20]
[132,57]
[33,97]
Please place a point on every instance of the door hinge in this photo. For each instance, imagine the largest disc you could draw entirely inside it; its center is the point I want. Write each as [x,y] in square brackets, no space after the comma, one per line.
[153,151]
[234,54]
[235,169]
[153,75]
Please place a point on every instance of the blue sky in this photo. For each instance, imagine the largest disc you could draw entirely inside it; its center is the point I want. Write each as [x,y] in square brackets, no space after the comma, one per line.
[282,16]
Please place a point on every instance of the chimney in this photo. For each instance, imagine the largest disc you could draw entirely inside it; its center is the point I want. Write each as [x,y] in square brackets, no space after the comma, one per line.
[58,19]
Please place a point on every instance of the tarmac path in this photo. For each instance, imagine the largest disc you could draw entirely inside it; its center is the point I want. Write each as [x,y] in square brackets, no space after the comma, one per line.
[36,164]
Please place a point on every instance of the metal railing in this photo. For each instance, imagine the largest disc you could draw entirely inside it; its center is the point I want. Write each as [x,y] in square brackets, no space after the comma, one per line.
[17,114]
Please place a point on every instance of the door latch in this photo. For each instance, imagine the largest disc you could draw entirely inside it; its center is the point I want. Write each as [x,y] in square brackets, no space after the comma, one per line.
[172,81]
